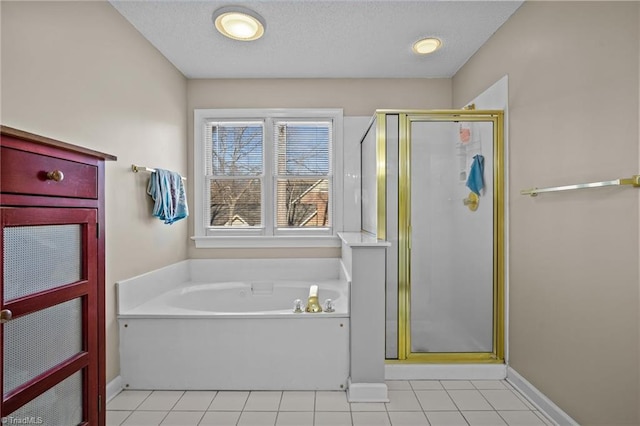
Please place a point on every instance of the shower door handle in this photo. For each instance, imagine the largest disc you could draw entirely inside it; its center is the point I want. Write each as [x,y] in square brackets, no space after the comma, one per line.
[5,316]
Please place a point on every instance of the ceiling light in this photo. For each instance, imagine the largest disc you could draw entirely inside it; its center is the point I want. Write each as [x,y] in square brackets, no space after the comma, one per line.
[239,23]
[426,46]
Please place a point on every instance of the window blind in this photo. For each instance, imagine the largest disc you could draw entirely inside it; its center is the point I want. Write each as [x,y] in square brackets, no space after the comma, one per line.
[303,173]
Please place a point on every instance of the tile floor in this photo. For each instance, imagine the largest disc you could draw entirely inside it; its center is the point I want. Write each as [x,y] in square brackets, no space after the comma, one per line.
[412,403]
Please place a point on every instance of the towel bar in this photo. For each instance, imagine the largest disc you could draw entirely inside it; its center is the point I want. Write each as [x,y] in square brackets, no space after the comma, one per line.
[135,168]
[633,180]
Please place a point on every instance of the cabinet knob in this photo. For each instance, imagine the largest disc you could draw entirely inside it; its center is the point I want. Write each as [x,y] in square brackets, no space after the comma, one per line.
[5,316]
[56,175]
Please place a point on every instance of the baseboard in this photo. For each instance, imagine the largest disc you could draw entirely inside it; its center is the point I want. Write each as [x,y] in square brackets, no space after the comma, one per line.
[367,392]
[114,387]
[445,371]
[538,399]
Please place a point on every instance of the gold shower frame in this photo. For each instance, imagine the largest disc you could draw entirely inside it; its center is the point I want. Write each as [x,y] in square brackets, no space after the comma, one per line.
[406,118]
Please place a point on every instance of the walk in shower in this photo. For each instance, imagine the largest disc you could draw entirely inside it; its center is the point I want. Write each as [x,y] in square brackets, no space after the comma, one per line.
[433,186]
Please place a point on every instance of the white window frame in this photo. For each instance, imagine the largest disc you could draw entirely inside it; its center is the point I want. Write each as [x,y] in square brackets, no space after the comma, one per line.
[268,235]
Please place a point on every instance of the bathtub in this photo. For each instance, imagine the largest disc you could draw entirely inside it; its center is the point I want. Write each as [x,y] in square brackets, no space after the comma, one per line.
[266,299]
[234,335]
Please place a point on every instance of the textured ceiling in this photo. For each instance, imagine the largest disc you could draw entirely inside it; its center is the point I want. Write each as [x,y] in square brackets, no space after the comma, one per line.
[320,39]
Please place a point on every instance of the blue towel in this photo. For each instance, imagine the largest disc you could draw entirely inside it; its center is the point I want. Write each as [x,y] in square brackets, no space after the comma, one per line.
[475,182]
[167,191]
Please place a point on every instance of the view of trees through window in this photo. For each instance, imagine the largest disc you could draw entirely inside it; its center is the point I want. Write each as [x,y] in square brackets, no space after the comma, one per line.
[301,174]
[236,163]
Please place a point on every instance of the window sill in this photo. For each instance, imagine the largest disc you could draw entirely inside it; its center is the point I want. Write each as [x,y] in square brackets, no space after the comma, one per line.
[314,241]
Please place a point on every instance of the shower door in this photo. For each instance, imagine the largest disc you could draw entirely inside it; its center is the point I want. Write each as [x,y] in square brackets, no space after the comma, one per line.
[445,279]
[449,277]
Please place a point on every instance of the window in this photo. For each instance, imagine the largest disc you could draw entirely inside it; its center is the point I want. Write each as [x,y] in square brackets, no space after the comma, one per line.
[267,177]
[234,174]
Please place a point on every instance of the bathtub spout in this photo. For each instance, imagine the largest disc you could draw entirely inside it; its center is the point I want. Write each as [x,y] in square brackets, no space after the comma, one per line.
[313,305]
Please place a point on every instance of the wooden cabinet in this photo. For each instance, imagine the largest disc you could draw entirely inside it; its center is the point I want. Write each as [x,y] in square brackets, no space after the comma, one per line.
[52,299]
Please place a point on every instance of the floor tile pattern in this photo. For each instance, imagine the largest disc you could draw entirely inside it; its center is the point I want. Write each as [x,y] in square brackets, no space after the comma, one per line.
[411,403]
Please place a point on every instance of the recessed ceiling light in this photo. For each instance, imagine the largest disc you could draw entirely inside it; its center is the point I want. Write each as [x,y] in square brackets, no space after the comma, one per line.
[239,23]
[426,46]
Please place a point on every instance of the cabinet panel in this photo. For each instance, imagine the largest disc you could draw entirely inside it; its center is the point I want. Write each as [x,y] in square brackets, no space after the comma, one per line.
[49,260]
[39,341]
[60,405]
[40,258]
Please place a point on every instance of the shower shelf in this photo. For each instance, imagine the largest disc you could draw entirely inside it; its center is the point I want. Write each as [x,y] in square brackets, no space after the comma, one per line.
[633,180]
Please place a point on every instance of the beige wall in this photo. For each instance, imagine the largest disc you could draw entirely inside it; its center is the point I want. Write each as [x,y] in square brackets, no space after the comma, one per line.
[358,97]
[79,72]
[573,104]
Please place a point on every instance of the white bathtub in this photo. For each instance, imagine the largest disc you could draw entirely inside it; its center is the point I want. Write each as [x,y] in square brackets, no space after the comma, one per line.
[234,335]
[240,299]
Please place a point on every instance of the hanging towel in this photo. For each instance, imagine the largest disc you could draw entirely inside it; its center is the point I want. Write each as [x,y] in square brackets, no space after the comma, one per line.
[167,190]
[475,182]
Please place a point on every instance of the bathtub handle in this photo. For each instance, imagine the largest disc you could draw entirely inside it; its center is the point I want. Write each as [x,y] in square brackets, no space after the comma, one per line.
[328,306]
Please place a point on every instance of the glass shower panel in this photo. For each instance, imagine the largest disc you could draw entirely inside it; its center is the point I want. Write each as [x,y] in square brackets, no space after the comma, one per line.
[368,182]
[451,257]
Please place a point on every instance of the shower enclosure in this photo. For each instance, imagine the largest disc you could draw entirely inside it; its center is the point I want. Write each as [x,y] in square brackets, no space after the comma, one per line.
[445,268]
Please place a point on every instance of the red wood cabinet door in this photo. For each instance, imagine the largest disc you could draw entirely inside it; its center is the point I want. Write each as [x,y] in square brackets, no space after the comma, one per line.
[48,299]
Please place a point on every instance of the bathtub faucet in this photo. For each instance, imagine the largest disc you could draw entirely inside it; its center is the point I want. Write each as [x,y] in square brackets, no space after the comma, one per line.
[313,305]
